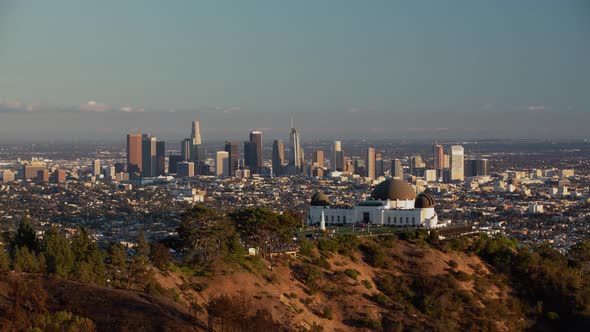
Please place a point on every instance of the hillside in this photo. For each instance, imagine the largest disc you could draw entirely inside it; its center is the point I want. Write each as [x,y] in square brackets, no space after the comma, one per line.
[344,292]
[109,309]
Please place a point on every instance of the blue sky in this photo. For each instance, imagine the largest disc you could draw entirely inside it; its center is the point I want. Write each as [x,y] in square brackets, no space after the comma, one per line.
[296,57]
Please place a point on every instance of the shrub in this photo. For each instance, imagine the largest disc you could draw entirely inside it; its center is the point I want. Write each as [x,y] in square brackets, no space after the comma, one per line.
[353,274]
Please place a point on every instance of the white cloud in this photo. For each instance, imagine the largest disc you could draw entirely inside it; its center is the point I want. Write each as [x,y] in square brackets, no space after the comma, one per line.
[94,106]
[130,109]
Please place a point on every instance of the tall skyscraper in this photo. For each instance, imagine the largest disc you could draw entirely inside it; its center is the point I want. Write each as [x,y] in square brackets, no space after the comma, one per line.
[370,163]
[438,157]
[337,157]
[278,157]
[186,149]
[379,165]
[148,156]
[476,167]
[295,155]
[253,152]
[134,158]
[160,158]
[173,161]
[396,169]
[196,134]
[457,168]
[186,169]
[222,163]
[416,164]
[318,158]
[234,155]
[96,167]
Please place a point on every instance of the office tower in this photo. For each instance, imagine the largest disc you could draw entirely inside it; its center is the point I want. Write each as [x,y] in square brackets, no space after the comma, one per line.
[59,176]
[96,167]
[295,154]
[253,152]
[160,158]
[7,176]
[196,133]
[430,175]
[417,165]
[173,161]
[397,172]
[318,158]
[185,169]
[148,156]
[482,167]
[109,173]
[457,172]
[186,149]
[278,157]
[43,175]
[31,170]
[370,163]
[198,153]
[337,157]
[134,158]
[438,155]
[119,167]
[222,163]
[476,167]
[379,165]
[234,155]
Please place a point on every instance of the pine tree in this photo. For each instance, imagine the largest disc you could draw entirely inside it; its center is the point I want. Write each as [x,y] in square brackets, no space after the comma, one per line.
[25,236]
[88,259]
[118,265]
[58,254]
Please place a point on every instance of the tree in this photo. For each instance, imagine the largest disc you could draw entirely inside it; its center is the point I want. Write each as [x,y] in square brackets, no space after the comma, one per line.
[25,236]
[160,256]
[26,261]
[88,259]
[58,254]
[118,265]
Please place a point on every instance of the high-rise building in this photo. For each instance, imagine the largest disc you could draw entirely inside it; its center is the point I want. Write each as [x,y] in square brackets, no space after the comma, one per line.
[438,156]
[7,176]
[96,167]
[196,134]
[295,155]
[185,169]
[457,168]
[397,172]
[476,167]
[337,157]
[234,155]
[148,156]
[370,163]
[31,170]
[186,149]
[160,158]
[318,158]
[43,175]
[253,152]
[278,157]
[59,176]
[222,163]
[173,161]
[379,165]
[134,157]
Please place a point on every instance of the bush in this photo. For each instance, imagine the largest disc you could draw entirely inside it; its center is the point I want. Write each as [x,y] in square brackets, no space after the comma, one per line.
[328,245]
[306,248]
[327,313]
[353,274]
[453,264]
[367,284]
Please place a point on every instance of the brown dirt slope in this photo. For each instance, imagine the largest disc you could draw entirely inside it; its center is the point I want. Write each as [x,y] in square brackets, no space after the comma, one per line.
[109,309]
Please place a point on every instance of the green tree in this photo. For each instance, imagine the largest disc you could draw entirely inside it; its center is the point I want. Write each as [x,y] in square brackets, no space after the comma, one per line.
[160,256]
[27,261]
[88,259]
[4,259]
[25,236]
[58,254]
[118,269]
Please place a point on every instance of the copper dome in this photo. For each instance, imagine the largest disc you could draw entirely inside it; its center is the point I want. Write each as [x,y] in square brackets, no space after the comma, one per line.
[424,201]
[393,189]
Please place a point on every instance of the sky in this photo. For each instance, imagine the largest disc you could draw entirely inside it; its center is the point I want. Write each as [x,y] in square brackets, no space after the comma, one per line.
[72,69]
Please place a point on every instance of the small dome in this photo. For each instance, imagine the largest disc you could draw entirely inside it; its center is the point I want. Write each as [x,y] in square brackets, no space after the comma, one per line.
[320,199]
[424,201]
[393,189]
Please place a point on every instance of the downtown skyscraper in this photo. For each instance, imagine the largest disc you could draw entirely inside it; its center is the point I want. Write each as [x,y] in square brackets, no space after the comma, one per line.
[148,156]
[278,157]
[196,133]
[337,157]
[253,152]
[295,155]
[134,159]
[370,163]
[457,164]
[234,155]
[438,160]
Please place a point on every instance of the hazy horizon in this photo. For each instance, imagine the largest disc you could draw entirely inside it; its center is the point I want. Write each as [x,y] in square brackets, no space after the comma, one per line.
[342,69]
